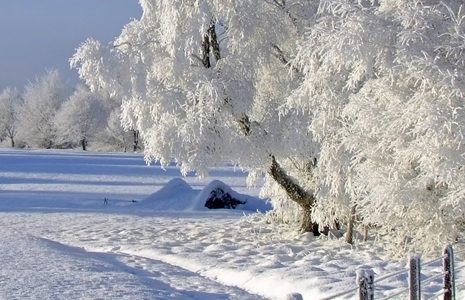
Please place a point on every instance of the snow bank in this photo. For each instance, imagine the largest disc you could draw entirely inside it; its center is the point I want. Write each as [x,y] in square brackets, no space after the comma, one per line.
[175,195]
[178,195]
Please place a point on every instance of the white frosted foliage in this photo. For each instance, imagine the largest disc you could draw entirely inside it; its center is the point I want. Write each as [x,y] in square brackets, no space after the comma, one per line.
[80,118]
[385,82]
[191,112]
[42,99]
[360,102]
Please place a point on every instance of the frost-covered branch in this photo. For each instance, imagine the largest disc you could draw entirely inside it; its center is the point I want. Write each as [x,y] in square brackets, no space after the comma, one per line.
[281,56]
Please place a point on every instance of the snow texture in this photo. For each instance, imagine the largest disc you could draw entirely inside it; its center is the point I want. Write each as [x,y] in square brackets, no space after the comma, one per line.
[60,241]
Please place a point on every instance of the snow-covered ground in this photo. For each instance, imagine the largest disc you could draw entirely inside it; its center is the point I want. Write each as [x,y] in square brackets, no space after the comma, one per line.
[60,241]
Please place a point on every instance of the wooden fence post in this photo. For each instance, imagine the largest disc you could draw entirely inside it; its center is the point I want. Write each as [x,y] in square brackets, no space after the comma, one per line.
[414,278]
[449,276]
[365,282]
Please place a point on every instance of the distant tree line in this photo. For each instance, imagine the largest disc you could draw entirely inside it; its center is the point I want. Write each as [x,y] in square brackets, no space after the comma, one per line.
[49,114]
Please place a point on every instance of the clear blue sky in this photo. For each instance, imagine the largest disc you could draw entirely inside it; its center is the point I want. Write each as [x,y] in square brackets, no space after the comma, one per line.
[38,35]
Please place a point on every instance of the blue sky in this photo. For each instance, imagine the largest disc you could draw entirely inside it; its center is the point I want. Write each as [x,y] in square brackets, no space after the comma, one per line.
[38,35]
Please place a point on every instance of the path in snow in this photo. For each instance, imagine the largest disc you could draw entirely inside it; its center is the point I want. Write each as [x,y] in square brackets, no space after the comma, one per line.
[246,253]
[38,268]
[224,248]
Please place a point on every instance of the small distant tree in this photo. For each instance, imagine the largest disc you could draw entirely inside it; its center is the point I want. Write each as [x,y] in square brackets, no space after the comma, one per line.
[80,118]
[114,136]
[42,99]
[10,102]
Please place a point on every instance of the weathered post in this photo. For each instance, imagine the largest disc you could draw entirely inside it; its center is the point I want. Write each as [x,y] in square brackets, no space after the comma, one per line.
[365,282]
[449,276]
[414,278]
[294,296]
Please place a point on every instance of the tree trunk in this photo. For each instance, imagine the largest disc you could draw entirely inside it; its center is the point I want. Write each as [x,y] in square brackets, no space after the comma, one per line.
[297,194]
[206,51]
[350,226]
[12,142]
[210,44]
[136,140]
[307,225]
[84,144]
[214,41]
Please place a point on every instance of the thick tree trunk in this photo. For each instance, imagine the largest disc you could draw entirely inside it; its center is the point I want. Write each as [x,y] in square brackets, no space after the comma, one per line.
[297,194]
[307,225]
[84,144]
[12,142]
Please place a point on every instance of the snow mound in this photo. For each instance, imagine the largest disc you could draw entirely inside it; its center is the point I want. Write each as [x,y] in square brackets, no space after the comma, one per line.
[178,195]
[175,195]
[218,188]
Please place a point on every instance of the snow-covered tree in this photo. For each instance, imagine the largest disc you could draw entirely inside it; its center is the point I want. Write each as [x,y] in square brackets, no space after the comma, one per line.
[203,81]
[80,118]
[42,99]
[114,137]
[352,108]
[10,102]
[384,81]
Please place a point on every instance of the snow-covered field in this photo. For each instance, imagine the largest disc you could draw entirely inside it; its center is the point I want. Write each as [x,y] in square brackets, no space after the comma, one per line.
[60,241]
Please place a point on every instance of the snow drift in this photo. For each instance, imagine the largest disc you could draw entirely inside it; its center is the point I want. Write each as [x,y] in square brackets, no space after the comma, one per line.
[178,195]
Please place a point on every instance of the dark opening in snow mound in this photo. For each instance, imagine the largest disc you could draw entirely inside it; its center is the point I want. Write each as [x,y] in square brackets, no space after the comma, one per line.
[221,199]
[217,194]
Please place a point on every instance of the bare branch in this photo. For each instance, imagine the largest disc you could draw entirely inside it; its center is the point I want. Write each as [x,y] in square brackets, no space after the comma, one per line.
[281,56]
